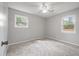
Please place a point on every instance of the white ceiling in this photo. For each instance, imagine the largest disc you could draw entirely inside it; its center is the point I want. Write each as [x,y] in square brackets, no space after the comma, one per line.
[33,7]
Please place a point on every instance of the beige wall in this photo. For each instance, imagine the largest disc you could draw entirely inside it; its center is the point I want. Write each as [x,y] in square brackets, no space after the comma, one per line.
[35,29]
[54,28]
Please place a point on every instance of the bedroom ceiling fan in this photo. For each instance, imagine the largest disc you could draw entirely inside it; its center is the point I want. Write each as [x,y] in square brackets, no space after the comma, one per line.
[45,8]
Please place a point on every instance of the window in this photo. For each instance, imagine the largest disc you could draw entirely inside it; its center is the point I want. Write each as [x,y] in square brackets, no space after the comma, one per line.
[68,24]
[21,21]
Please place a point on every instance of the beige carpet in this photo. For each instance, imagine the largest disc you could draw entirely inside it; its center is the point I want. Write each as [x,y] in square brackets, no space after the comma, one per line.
[42,48]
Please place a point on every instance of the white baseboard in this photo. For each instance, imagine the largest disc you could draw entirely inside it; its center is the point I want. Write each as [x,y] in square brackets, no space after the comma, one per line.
[31,39]
[64,42]
[52,38]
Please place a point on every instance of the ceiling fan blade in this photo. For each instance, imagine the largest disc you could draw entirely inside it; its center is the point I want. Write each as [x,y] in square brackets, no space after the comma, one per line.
[44,5]
[51,10]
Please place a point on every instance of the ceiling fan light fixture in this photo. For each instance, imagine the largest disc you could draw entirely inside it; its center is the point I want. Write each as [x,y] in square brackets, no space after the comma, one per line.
[44,8]
[44,11]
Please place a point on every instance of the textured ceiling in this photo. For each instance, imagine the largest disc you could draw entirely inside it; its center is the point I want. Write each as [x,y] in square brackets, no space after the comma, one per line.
[34,7]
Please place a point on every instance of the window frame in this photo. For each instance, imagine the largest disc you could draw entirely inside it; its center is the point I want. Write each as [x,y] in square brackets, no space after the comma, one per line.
[62,25]
[26,21]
